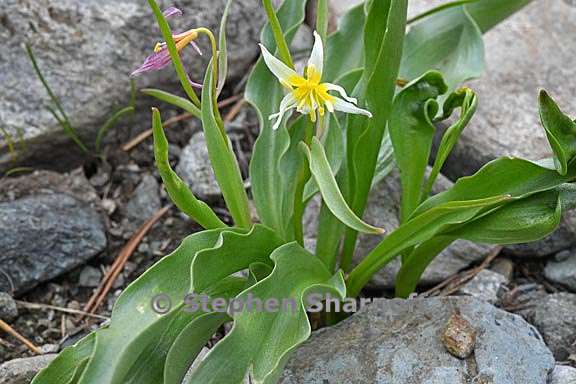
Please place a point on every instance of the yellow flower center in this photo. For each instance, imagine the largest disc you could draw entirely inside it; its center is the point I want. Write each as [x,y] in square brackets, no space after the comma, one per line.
[310,93]
[181,40]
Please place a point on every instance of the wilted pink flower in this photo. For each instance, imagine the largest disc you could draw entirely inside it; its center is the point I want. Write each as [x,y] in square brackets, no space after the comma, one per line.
[161,57]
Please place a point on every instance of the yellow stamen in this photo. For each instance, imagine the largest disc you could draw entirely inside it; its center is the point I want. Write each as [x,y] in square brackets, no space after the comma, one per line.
[181,40]
[311,95]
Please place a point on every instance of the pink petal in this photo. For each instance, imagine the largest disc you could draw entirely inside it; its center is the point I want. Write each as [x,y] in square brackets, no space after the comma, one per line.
[154,62]
[172,11]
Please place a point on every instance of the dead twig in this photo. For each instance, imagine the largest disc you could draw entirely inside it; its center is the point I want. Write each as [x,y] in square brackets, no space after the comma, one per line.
[39,306]
[234,111]
[11,331]
[110,277]
[146,134]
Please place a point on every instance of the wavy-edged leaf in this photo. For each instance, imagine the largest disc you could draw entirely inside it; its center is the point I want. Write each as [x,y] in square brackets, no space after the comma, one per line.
[448,41]
[503,176]
[67,366]
[467,101]
[109,361]
[177,101]
[330,191]
[415,231]
[560,130]
[412,131]
[222,157]
[260,342]
[177,189]
[233,252]
[264,93]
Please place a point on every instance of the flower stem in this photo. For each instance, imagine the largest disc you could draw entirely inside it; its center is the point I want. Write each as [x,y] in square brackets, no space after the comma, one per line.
[278,34]
[302,179]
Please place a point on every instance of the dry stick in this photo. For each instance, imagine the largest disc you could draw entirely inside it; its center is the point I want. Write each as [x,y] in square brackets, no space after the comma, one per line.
[455,282]
[234,111]
[27,305]
[110,277]
[11,331]
[146,134]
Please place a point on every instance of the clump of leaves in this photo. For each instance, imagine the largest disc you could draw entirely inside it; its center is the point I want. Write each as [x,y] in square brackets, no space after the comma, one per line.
[330,131]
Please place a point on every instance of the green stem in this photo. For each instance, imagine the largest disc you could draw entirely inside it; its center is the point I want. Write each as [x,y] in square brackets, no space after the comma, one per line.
[302,179]
[322,19]
[348,248]
[176,61]
[278,34]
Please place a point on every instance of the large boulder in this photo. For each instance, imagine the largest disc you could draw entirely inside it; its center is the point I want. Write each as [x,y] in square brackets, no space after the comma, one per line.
[87,50]
[404,341]
[22,371]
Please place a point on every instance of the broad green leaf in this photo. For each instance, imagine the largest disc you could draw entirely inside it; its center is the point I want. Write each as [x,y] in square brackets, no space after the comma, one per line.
[415,264]
[67,365]
[264,92]
[412,131]
[178,191]
[233,252]
[415,231]
[488,13]
[330,191]
[134,308]
[145,358]
[560,130]
[222,157]
[177,101]
[466,100]
[503,176]
[448,41]
[189,343]
[223,50]
[260,342]
[348,38]
[385,162]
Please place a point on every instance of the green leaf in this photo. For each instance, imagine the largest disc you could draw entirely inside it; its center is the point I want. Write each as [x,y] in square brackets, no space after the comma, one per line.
[448,41]
[488,13]
[67,365]
[503,176]
[264,92]
[223,50]
[560,130]
[232,253]
[178,191]
[330,191]
[260,341]
[415,231]
[348,38]
[222,157]
[412,131]
[177,101]
[110,360]
[466,99]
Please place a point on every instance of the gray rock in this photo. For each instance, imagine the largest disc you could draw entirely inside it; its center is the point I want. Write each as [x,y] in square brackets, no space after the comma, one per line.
[44,236]
[89,277]
[87,49]
[195,169]
[562,271]
[555,317]
[399,341]
[145,200]
[21,371]
[8,308]
[485,286]
[563,375]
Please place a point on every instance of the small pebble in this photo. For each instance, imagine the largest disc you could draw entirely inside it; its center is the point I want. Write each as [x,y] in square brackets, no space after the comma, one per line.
[89,277]
[8,308]
[459,337]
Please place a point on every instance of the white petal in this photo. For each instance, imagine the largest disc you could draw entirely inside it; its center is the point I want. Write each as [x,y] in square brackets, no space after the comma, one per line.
[344,106]
[317,55]
[287,103]
[278,68]
[341,91]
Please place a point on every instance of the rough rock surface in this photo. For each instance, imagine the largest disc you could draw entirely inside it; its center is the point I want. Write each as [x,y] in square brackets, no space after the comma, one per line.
[21,371]
[44,236]
[195,169]
[383,211]
[8,308]
[555,317]
[485,286]
[562,270]
[563,375]
[145,201]
[86,50]
[399,342]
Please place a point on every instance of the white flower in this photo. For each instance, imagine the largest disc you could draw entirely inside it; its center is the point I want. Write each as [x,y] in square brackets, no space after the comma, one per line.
[306,93]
